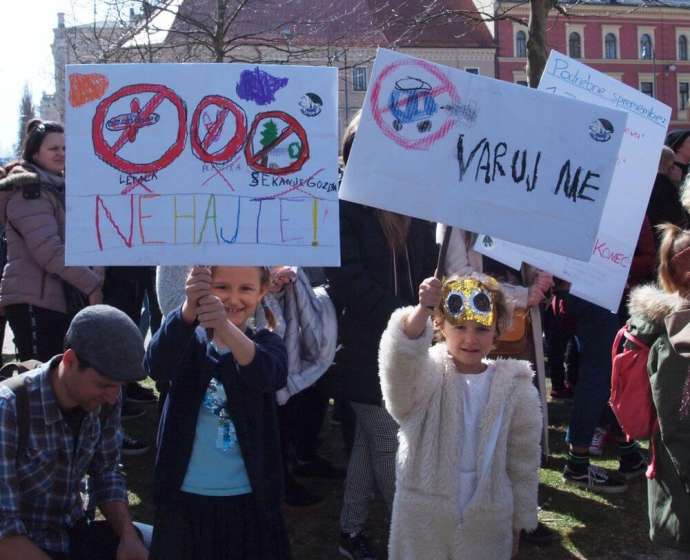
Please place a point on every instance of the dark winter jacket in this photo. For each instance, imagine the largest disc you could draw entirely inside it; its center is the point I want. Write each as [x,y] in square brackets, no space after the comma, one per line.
[665,205]
[363,292]
[181,353]
[643,265]
[663,321]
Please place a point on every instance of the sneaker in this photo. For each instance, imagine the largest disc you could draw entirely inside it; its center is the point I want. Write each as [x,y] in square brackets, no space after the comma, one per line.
[297,495]
[599,440]
[129,412]
[541,536]
[355,547]
[562,393]
[633,468]
[596,479]
[131,446]
[318,467]
[138,394]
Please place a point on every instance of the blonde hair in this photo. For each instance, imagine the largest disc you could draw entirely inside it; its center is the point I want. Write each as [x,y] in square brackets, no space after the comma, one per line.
[502,308]
[673,241]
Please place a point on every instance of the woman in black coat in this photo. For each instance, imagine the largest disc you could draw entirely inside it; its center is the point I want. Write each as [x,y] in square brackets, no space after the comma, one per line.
[384,257]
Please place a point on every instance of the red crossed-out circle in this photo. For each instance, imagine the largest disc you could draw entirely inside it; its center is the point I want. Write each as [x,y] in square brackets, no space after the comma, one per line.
[108,153]
[200,146]
[293,126]
[377,111]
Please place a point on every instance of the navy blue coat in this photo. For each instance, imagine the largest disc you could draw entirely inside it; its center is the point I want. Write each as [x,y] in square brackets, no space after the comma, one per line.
[181,353]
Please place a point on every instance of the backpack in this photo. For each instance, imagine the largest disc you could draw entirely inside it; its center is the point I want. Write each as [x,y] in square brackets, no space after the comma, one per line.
[631,394]
[15,383]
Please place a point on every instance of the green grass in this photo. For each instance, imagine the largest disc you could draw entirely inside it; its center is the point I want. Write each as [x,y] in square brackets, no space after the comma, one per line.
[591,526]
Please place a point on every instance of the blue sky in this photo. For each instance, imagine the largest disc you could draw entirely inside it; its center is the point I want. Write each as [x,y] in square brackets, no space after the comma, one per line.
[26,58]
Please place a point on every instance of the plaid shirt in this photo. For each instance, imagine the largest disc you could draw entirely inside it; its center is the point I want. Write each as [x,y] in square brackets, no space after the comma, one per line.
[39,491]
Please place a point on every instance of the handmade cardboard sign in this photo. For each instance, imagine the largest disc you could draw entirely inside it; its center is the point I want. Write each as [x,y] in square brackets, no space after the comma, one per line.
[484,155]
[201,163]
[602,279]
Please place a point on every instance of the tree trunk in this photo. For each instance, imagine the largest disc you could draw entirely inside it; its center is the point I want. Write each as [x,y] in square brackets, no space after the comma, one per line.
[537,51]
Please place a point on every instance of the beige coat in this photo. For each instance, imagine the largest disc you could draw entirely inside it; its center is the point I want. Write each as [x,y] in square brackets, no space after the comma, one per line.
[462,259]
[420,392]
[35,229]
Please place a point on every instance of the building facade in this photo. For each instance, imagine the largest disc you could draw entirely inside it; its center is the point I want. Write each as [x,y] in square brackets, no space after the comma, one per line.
[347,39]
[644,46]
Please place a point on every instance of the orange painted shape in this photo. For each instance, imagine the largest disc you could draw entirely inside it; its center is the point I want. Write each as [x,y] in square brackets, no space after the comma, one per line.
[84,88]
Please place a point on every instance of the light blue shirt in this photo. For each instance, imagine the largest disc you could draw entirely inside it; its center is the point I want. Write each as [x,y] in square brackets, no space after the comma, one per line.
[216,466]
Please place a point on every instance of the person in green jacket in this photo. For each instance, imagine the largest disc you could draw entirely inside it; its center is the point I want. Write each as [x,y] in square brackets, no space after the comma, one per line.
[660,315]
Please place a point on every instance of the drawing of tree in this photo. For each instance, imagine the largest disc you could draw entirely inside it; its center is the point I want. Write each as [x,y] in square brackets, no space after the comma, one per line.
[269,133]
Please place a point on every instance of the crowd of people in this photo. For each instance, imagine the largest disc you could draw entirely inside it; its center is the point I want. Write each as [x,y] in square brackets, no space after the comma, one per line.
[434,390]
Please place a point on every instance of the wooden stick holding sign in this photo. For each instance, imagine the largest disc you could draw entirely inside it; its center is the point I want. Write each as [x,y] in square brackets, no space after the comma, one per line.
[440,271]
[441,264]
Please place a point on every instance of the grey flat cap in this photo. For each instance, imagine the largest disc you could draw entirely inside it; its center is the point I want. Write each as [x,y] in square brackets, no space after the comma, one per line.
[108,341]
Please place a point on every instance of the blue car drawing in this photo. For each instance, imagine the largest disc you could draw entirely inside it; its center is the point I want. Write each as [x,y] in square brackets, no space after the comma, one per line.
[412,101]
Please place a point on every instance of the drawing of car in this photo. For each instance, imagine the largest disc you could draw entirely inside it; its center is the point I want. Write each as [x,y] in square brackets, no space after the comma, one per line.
[412,101]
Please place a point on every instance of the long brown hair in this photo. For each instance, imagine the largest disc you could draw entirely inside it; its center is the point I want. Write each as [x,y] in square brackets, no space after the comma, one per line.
[395,228]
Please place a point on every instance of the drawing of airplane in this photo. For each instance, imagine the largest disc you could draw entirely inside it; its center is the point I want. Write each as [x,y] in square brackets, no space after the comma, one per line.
[133,121]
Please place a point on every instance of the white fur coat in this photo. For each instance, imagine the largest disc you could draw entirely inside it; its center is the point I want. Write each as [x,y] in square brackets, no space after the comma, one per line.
[420,392]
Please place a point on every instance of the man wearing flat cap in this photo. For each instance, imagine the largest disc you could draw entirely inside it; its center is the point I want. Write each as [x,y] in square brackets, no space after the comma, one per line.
[70,428]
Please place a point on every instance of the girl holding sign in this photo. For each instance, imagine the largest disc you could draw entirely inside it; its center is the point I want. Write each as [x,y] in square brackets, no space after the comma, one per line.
[218,482]
[470,427]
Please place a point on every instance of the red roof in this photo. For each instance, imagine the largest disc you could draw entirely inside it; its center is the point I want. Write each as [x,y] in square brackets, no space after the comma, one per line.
[352,23]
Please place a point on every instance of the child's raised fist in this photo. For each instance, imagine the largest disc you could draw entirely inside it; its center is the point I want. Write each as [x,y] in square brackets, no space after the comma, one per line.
[211,312]
[430,293]
[198,285]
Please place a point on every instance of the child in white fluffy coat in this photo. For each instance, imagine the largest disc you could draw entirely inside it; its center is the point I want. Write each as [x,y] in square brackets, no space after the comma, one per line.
[468,459]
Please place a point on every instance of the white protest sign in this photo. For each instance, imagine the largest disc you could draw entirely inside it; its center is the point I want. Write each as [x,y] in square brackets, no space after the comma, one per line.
[202,164]
[602,279]
[485,155]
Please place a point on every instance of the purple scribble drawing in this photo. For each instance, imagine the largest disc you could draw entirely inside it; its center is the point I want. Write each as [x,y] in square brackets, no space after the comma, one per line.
[259,86]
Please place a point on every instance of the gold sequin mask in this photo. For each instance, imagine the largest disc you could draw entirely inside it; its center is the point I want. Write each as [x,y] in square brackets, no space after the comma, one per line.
[467,300]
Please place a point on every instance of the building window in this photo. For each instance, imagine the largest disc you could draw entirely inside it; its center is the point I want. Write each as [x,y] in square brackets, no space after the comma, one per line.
[359,78]
[647,88]
[610,46]
[683,94]
[682,47]
[521,44]
[522,83]
[575,45]
[646,47]
[472,70]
